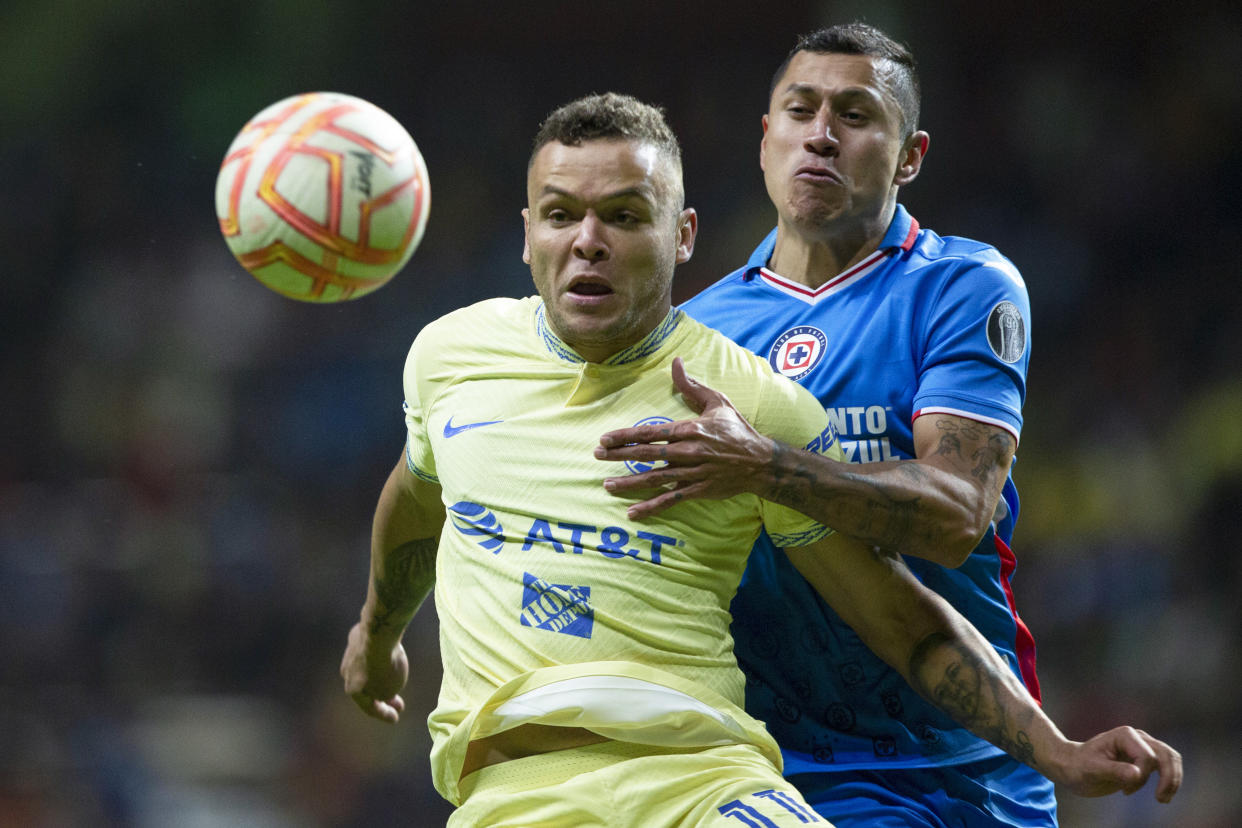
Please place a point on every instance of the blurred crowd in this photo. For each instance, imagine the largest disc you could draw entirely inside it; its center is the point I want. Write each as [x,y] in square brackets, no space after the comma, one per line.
[189,462]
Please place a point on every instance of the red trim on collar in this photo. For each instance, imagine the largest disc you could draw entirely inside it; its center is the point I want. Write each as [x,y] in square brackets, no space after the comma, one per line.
[796,287]
[908,243]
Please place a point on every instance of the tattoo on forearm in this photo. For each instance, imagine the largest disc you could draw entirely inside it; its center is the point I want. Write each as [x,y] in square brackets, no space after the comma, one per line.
[872,514]
[409,573]
[889,522]
[972,691]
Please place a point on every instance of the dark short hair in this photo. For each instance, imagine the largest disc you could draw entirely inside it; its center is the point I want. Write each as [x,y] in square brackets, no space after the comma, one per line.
[603,117]
[864,39]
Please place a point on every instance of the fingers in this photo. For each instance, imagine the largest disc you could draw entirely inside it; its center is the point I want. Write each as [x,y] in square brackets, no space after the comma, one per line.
[654,505]
[638,436]
[654,479]
[689,389]
[386,711]
[664,500]
[697,395]
[1145,755]
[1142,757]
[1169,766]
[678,478]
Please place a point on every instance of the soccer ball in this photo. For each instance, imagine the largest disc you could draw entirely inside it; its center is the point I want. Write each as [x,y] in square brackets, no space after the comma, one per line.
[323,197]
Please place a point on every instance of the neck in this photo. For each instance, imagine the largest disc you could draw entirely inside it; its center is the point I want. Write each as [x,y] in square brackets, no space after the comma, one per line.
[812,256]
[599,348]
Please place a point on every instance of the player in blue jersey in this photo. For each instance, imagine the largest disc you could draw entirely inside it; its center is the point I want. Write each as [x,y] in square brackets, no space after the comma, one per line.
[917,346]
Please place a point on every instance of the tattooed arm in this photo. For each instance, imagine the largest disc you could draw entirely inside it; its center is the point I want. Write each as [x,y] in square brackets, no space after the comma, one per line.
[404,538]
[937,506]
[947,661]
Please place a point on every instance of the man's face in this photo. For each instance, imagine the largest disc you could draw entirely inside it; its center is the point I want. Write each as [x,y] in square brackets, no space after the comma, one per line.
[603,234]
[832,148]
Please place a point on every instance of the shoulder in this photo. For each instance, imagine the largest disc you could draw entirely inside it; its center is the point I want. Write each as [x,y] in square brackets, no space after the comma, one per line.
[744,377]
[492,317]
[486,329]
[723,359]
[504,311]
[710,297]
[957,258]
[953,277]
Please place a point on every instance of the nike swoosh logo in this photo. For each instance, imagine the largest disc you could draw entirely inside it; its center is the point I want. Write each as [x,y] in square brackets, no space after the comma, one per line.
[451,430]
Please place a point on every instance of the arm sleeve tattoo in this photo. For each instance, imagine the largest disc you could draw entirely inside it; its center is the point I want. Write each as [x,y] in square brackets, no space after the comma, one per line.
[407,576]
[976,693]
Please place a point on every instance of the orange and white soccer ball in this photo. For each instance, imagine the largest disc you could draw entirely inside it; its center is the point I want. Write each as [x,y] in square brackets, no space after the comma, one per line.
[323,197]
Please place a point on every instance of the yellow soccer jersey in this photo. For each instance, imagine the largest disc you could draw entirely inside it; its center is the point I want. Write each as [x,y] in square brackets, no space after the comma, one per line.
[554,606]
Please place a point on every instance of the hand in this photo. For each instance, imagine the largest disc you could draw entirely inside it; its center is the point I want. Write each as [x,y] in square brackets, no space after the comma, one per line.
[374,675]
[715,456]
[1121,759]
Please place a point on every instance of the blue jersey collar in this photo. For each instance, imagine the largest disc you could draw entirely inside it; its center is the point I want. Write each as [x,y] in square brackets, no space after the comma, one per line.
[902,232]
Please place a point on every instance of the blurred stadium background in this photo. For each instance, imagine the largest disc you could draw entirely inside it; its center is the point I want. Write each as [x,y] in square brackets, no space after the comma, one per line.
[189,462]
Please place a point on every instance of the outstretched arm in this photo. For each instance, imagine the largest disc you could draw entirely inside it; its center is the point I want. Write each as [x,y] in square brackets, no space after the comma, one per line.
[404,538]
[948,662]
[937,506]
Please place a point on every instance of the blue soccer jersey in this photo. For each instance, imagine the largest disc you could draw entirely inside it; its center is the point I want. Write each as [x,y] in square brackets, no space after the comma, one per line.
[924,325]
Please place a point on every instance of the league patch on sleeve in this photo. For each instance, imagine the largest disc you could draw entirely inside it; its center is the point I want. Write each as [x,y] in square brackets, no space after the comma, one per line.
[1007,332]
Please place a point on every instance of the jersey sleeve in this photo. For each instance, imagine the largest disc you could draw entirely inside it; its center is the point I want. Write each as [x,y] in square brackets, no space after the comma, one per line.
[792,415]
[977,345]
[420,392]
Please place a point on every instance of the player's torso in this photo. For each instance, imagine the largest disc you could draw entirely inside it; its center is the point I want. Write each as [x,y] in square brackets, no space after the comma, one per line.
[858,347]
[821,342]
[539,565]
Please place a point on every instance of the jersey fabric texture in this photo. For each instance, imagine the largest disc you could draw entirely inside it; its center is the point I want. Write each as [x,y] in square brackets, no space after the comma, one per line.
[627,785]
[925,325]
[555,607]
[986,794]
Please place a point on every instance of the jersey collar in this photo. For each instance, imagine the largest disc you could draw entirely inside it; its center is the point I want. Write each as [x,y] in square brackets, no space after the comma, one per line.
[644,347]
[902,232]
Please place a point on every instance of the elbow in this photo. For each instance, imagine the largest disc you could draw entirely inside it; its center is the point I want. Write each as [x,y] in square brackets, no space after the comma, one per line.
[956,551]
[961,534]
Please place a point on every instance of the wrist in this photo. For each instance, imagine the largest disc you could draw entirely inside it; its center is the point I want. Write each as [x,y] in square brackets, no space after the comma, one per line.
[781,467]
[1055,760]
[381,630]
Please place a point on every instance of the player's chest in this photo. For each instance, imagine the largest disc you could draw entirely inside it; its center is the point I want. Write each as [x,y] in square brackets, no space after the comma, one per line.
[541,428]
[862,348]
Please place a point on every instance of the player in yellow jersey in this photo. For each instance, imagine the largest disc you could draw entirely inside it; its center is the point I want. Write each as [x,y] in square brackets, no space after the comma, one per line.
[589,677]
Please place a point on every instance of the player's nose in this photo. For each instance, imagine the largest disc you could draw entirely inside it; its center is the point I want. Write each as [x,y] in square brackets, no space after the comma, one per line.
[590,243]
[819,135]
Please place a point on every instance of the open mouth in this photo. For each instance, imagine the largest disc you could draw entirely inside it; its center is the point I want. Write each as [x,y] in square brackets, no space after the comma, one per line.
[589,286]
[590,289]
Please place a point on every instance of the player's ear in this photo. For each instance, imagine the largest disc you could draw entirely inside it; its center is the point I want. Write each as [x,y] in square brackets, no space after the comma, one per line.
[914,150]
[687,230]
[763,143]
[526,234]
